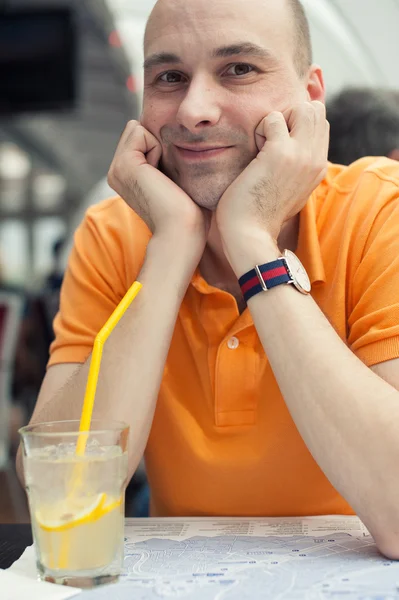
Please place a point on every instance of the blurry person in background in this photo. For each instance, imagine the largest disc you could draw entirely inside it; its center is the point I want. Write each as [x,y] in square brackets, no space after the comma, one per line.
[55,275]
[363,122]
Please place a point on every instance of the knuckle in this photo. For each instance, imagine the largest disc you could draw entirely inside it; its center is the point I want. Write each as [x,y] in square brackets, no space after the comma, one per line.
[132,128]
[129,128]
[273,117]
[309,107]
[319,106]
[307,112]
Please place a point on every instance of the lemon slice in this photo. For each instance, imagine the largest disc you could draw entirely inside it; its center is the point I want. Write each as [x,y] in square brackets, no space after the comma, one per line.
[71,513]
[111,505]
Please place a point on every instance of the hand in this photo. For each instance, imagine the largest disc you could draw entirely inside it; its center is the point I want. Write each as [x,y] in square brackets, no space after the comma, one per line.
[276,185]
[166,209]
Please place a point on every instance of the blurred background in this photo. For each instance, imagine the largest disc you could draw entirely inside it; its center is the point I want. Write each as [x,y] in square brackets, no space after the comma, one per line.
[70,79]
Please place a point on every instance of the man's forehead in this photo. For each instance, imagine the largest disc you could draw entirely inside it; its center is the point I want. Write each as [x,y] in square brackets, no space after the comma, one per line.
[172,17]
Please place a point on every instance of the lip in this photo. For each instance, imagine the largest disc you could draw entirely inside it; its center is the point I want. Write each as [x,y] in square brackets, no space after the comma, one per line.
[201,152]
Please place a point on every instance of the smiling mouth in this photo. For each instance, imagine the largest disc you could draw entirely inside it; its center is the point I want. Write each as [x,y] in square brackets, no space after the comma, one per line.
[198,153]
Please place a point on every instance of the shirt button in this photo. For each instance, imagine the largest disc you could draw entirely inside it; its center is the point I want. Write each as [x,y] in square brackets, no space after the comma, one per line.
[233,343]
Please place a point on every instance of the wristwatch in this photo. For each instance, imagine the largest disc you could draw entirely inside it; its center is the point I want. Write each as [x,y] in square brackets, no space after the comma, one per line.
[286,269]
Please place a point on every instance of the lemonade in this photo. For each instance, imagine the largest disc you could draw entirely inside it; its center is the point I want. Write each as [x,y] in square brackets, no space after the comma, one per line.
[77,510]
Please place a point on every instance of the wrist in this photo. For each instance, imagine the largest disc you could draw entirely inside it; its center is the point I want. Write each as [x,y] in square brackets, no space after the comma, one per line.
[173,255]
[245,251]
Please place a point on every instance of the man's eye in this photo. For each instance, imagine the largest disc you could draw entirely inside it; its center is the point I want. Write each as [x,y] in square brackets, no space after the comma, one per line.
[240,69]
[171,77]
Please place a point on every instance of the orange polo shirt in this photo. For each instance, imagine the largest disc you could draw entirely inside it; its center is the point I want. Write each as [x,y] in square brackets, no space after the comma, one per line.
[222,440]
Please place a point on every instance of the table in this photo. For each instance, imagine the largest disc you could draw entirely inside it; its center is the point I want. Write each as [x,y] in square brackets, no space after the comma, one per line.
[13,541]
[259,558]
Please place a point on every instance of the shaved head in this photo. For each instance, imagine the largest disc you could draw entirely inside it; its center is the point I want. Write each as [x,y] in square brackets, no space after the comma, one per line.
[303,56]
[302,46]
[213,69]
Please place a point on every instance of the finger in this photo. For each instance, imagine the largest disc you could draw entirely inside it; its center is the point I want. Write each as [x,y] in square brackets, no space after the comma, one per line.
[320,119]
[152,147]
[259,140]
[327,140]
[322,132]
[145,143]
[153,156]
[271,128]
[129,133]
[301,122]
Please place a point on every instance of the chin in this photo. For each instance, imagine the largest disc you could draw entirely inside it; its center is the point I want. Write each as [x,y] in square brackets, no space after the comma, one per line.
[208,203]
[206,195]
[206,185]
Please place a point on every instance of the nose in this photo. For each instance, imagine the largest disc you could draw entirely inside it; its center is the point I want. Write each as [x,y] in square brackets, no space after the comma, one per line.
[200,106]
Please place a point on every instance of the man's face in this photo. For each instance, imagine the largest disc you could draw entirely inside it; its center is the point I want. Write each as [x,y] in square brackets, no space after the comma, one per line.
[214,70]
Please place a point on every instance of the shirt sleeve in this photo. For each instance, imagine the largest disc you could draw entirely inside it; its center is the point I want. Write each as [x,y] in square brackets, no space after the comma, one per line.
[108,252]
[373,319]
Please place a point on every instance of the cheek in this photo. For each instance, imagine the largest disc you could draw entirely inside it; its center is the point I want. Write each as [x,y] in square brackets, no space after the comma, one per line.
[248,112]
[277,94]
[155,115]
[149,118]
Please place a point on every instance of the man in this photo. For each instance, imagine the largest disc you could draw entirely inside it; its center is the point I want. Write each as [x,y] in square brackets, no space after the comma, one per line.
[289,405]
[363,122]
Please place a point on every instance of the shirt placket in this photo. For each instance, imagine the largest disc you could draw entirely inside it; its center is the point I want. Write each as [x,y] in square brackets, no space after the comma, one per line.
[239,366]
[236,360]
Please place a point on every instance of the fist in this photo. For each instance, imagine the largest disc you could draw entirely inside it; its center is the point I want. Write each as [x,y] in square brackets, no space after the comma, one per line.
[292,161]
[165,208]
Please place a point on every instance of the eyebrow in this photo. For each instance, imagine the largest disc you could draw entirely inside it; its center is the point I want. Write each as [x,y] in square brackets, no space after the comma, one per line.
[241,48]
[237,49]
[159,59]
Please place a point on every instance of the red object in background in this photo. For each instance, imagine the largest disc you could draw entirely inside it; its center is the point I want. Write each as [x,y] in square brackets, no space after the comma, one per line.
[114,39]
[131,84]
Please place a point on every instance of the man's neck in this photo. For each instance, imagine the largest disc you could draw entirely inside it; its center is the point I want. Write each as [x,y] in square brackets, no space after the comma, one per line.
[216,269]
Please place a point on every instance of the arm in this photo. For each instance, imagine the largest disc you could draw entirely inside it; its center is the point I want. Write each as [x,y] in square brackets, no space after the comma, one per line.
[346,414]
[133,358]
[135,353]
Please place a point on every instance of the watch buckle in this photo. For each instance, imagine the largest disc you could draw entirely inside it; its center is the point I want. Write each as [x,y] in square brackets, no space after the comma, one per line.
[261,280]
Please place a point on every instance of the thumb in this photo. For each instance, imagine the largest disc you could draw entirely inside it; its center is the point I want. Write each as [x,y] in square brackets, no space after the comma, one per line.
[152,148]
[271,128]
[260,138]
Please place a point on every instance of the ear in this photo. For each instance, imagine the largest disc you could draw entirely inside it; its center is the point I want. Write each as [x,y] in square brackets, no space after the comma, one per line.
[394,154]
[316,88]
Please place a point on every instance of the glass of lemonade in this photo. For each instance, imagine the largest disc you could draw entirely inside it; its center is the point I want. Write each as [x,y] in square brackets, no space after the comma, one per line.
[77,502]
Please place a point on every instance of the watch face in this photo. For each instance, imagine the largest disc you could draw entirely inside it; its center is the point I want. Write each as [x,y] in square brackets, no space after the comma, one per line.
[297,272]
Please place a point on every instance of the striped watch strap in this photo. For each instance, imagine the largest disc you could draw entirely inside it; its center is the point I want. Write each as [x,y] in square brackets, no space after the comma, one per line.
[264,277]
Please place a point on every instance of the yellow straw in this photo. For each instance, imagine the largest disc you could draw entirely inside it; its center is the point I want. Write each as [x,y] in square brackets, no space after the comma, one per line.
[88,405]
[101,338]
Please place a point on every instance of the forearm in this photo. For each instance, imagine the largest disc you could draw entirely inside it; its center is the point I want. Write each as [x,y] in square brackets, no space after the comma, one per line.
[135,353]
[347,415]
